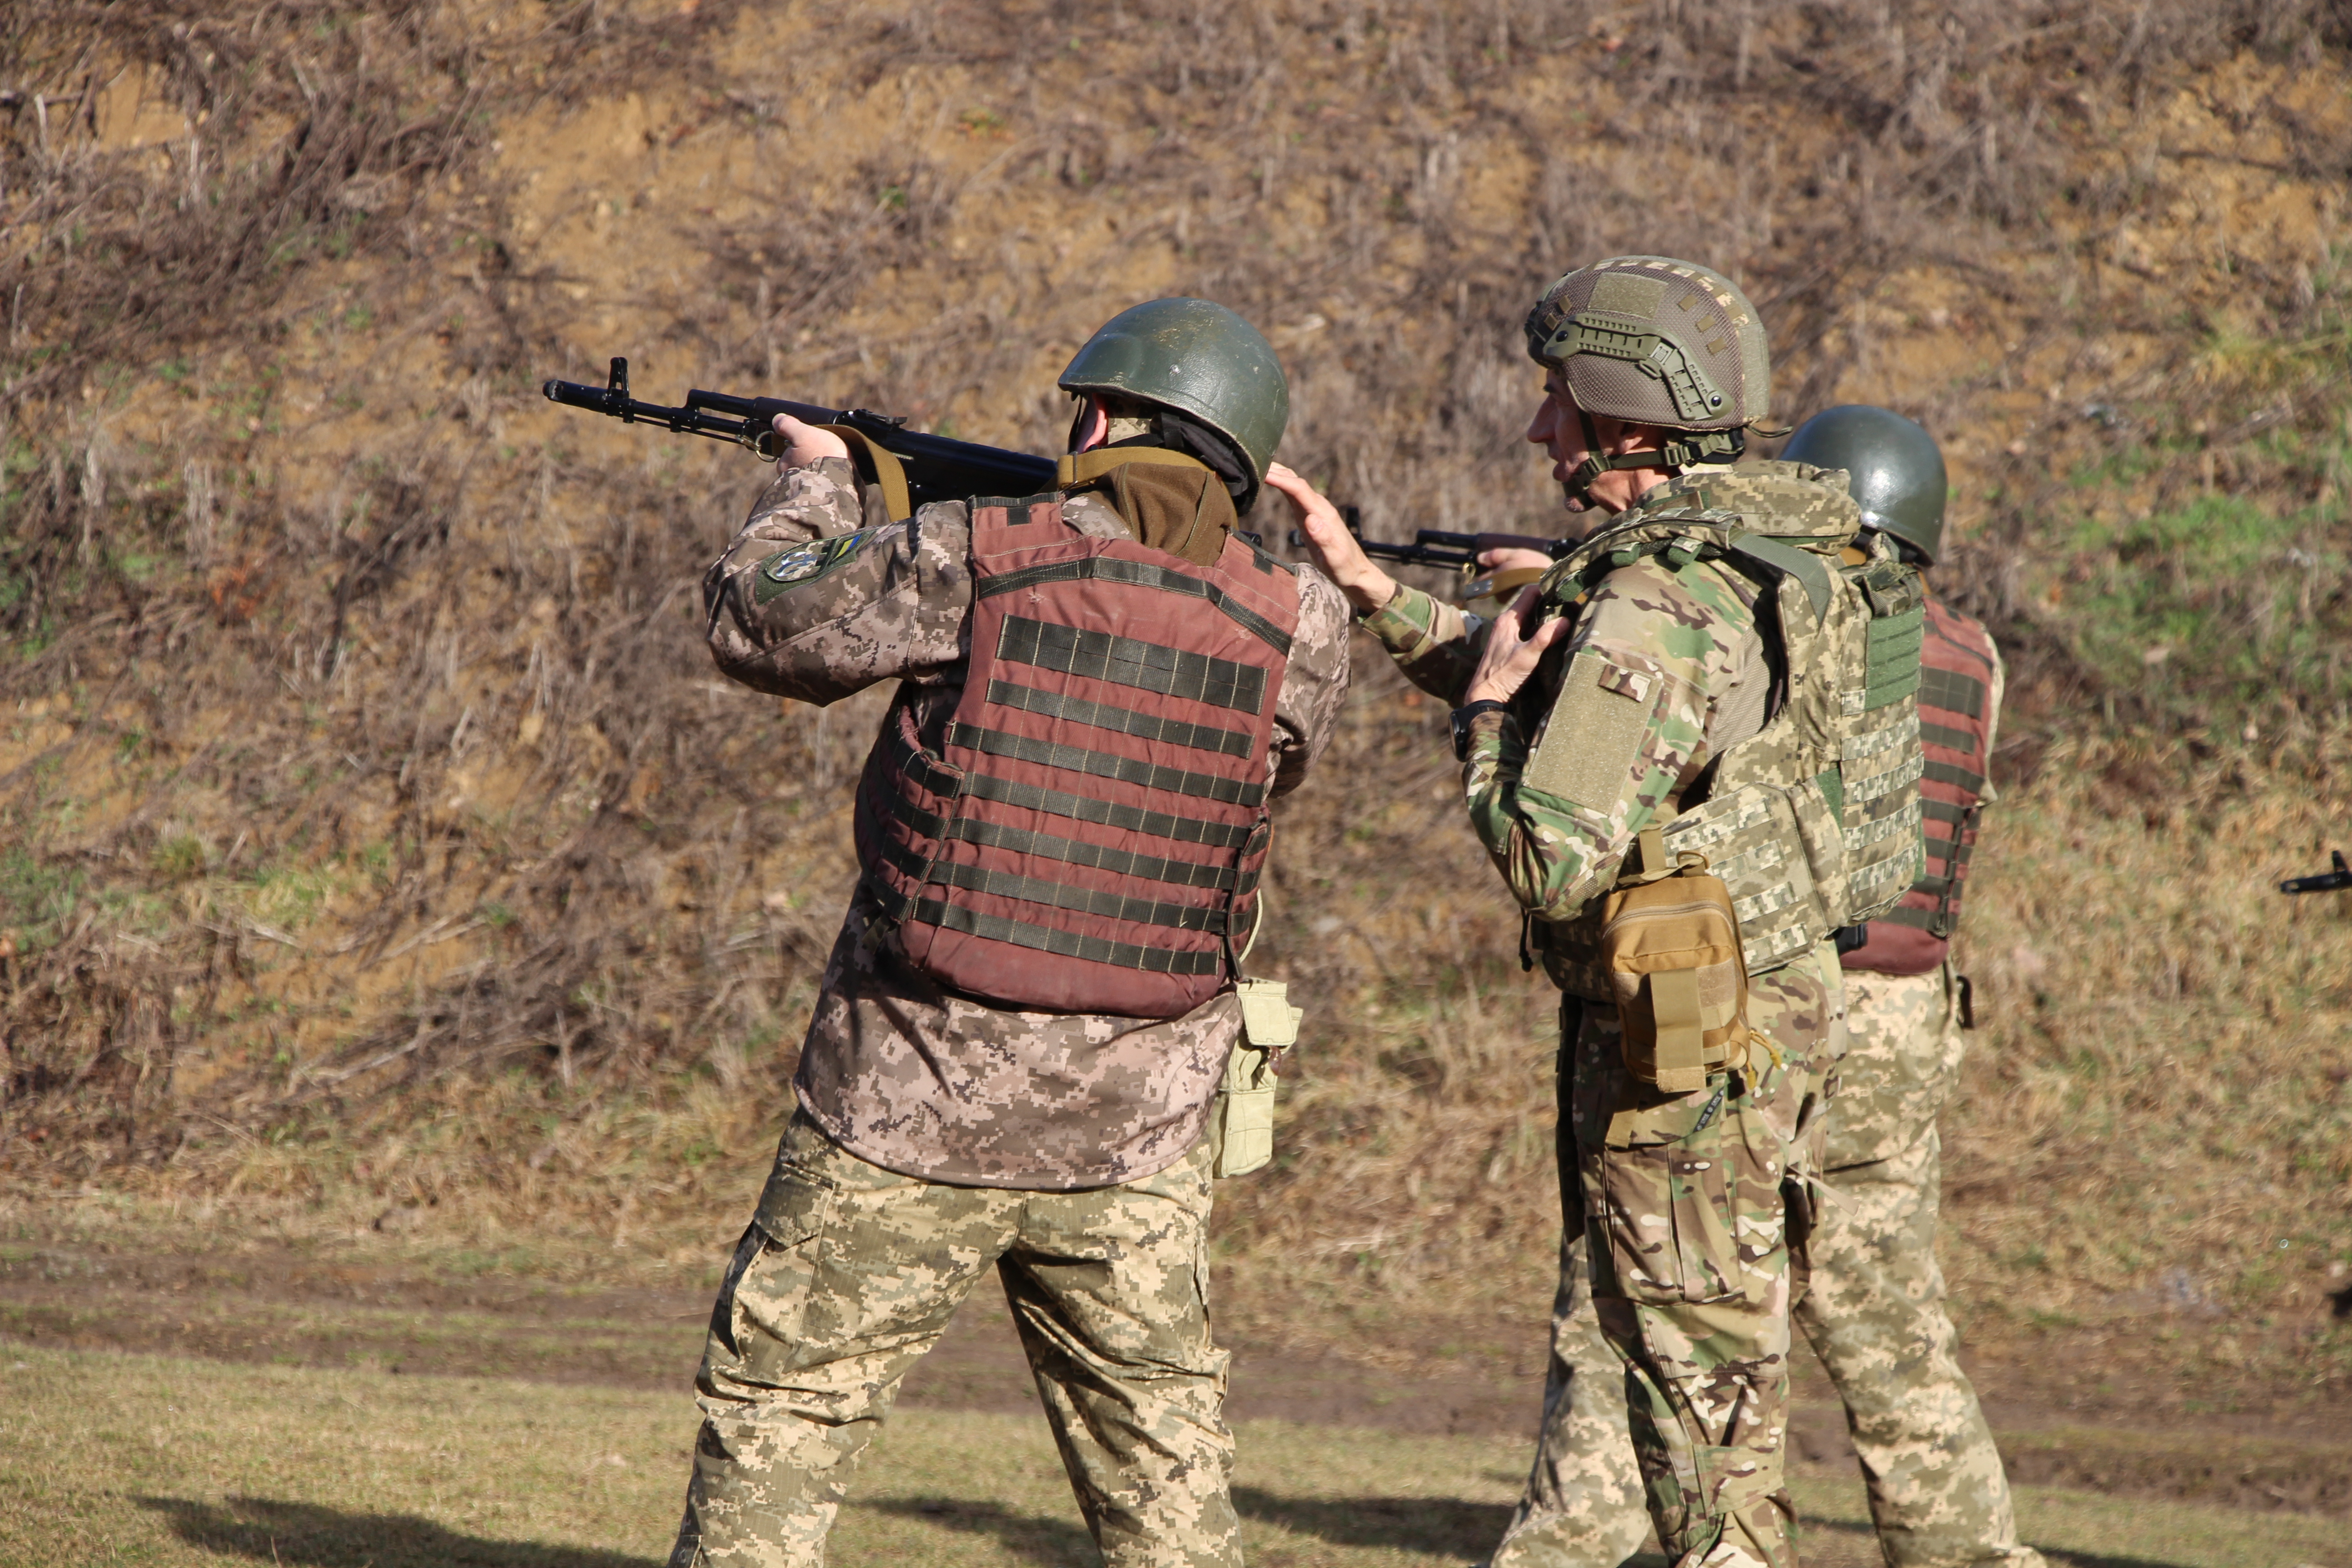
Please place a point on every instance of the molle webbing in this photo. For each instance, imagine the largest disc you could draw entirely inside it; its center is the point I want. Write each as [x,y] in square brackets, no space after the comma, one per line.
[1125,661]
[1145,574]
[1074,851]
[1092,829]
[1967,779]
[1063,943]
[1952,690]
[943,780]
[1944,735]
[1105,766]
[1893,657]
[1955,716]
[1052,894]
[1126,720]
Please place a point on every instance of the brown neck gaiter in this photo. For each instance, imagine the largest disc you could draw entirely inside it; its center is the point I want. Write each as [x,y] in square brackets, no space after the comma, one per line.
[1169,501]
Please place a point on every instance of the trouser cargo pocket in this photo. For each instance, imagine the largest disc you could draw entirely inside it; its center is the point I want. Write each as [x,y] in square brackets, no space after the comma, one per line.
[757,1323]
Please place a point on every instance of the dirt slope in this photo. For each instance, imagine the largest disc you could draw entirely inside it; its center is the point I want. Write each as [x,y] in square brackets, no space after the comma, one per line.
[382,857]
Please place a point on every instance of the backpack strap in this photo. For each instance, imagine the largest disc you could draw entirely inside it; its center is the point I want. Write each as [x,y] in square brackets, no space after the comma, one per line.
[1809,571]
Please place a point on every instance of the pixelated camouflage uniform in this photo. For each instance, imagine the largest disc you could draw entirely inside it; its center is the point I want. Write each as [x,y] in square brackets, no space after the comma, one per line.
[1872,1310]
[1687,1200]
[936,1136]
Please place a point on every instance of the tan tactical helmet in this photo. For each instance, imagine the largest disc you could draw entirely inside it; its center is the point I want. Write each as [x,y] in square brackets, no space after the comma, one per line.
[1653,341]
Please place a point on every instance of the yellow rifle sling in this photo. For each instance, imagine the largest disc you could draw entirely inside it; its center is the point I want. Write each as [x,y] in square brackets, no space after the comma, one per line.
[876,464]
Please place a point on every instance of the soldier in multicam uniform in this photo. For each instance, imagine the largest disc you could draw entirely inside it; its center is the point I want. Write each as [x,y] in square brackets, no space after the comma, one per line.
[1669,702]
[1023,1025]
[1873,1306]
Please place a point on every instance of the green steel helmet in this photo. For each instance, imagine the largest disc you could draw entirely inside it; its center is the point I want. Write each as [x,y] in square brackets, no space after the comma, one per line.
[1202,361]
[1895,471]
[1653,341]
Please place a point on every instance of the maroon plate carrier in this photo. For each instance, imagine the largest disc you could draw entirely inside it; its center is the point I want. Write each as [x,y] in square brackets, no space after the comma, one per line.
[1088,831]
[1955,665]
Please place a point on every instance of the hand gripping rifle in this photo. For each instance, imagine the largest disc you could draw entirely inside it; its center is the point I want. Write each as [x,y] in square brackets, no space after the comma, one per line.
[2326,882]
[1455,551]
[911,468]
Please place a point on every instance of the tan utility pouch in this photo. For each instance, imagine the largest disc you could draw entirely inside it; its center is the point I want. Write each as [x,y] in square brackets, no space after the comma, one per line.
[1241,1128]
[1670,945]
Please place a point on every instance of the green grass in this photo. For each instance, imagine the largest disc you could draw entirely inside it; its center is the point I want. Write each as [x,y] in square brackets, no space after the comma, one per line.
[137,1460]
[2222,604]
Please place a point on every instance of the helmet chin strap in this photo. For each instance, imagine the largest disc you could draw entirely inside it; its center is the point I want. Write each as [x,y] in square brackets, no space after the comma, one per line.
[1684,450]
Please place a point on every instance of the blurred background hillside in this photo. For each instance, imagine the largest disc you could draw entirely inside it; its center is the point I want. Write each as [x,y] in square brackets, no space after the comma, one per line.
[381,858]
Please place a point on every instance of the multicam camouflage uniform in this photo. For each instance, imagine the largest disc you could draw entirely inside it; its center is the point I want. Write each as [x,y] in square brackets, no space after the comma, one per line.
[936,1136]
[1872,1310]
[1689,1201]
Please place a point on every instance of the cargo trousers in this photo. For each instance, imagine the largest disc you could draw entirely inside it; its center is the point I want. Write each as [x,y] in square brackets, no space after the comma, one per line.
[1695,1208]
[848,1273]
[1872,1307]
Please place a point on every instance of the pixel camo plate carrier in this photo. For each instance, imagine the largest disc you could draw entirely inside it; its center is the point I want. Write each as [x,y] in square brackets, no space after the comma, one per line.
[1091,826]
[1813,823]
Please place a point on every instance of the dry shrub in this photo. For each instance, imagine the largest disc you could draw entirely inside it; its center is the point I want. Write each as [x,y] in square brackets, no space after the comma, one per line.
[381,843]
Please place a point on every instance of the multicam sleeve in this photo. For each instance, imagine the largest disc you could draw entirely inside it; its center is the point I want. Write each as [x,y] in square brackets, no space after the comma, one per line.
[1313,683]
[1653,650]
[1435,645]
[807,604]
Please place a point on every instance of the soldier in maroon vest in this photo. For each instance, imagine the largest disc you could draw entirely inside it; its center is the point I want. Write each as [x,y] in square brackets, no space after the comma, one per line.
[1875,1308]
[1019,1040]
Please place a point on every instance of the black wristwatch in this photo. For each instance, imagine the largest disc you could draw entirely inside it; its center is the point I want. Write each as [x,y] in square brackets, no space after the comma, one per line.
[1462,718]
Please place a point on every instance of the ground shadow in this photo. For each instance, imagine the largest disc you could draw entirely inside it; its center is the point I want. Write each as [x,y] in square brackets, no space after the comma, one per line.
[1442,1526]
[1030,1536]
[1452,1526]
[301,1532]
[2064,1558]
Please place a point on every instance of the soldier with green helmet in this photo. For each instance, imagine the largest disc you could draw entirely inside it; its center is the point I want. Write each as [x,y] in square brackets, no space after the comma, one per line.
[1020,1039]
[1875,1309]
[1872,1302]
[1694,678]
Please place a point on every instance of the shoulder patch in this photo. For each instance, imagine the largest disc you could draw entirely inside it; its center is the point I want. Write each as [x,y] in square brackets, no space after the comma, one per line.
[804,564]
[1594,735]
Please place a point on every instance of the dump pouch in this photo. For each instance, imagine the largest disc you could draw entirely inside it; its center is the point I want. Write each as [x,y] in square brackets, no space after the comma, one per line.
[1670,947]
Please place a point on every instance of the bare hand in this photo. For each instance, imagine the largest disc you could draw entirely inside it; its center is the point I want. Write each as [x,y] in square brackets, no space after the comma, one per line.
[1514,560]
[1509,658]
[805,443]
[1335,550]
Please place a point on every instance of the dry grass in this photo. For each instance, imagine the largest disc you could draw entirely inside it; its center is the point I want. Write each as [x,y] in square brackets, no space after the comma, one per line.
[376,842]
[182,1463]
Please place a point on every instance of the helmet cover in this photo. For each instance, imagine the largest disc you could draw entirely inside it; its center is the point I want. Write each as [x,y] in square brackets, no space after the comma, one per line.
[1653,341]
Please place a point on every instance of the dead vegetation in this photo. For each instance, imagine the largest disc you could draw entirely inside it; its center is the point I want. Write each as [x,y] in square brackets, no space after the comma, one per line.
[378,844]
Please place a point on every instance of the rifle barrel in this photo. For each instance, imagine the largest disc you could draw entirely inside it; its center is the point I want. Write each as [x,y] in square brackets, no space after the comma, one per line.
[939,467]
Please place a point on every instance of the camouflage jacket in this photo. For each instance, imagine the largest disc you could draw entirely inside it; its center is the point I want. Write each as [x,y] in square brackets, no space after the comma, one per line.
[894,1069]
[1692,633]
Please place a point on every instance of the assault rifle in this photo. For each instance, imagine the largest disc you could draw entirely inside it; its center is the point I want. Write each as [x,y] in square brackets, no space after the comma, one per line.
[935,467]
[1455,551]
[2326,882]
